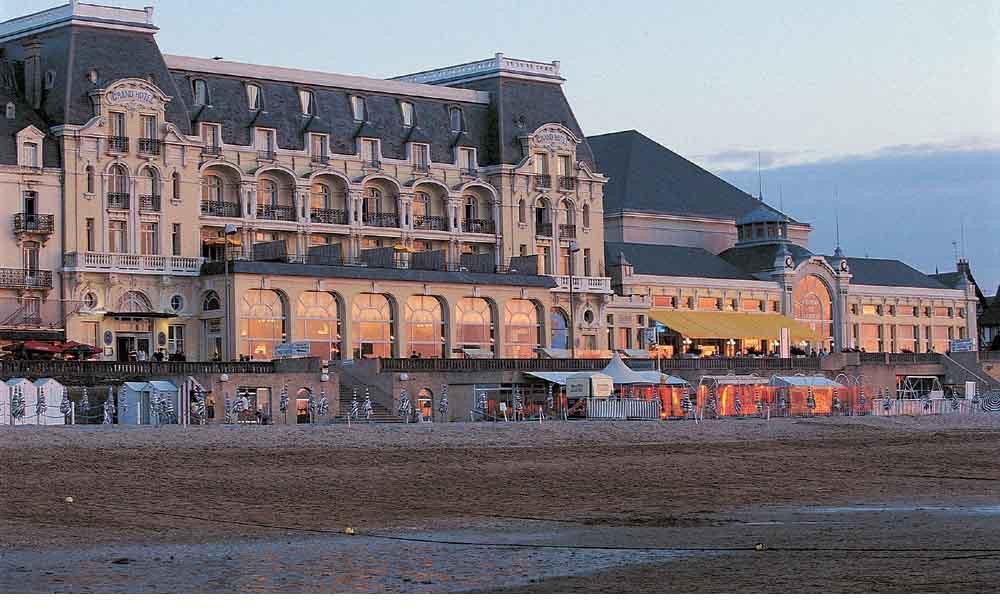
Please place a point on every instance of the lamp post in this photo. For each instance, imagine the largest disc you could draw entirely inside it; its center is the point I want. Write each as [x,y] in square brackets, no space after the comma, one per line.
[574,248]
[226,350]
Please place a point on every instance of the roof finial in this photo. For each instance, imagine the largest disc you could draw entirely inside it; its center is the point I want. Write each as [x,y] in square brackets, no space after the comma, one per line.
[836,216]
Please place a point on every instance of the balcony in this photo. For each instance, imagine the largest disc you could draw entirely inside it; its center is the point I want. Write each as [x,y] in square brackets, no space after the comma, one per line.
[433,223]
[211,151]
[321,159]
[227,209]
[330,216]
[124,263]
[276,213]
[567,232]
[478,226]
[118,201]
[266,155]
[382,219]
[371,164]
[117,144]
[25,278]
[150,146]
[42,224]
[149,203]
[421,168]
[470,172]
[543,181]
[584,284]
[543,230]
[567,183]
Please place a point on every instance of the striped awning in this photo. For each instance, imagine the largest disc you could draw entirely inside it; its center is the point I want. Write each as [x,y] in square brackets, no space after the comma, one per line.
[733,325]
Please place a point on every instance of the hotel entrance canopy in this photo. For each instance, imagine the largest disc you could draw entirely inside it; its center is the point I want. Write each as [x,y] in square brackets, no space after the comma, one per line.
[733,325]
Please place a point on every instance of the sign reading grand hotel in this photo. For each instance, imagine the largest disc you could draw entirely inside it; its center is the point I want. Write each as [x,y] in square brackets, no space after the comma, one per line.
[555,138]
[134,93]
[127,95]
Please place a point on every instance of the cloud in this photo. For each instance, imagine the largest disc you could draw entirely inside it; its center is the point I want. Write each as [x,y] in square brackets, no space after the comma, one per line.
[745,159]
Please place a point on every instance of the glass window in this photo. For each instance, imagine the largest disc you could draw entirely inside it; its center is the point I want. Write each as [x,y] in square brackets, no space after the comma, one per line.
[371,321]
[117,236]
[29,253]
[175,240]
[586,262]
[474,320]
[253,96]
[212,189]
[175,339]
[425,327]
[267,193]
[149,239]
[456,120]
[262,323]
[307,102]
[521,329]
[317,321]
[149,127]
[560,329]
[467,158]
[369,150]
[708,303]
[813,305]
[586,216]
[318,145]
[421,156]
[89,224]
[565,165]
[541,163]
[200,92]
[421,204]
[31,154]
[320,197]
[210,135]
[358,108]
[175,184]
[90,179]
[264,140]
[91,333]
[119,180]
[406,109]
[522,212]
[117,124]
[211,302]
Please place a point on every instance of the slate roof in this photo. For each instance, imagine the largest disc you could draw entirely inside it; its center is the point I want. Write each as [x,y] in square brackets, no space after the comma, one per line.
[889,272]
[646,176]
[763,214]
[949,279]
[663,260]
[24,116]
[760,258]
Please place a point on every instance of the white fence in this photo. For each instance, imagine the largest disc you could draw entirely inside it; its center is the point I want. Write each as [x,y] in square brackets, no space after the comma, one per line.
[623,409]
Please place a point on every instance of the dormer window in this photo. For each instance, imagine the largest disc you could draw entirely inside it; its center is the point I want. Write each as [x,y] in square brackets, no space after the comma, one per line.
[200,90]
[10,111]
[456,119]
[358,108]
[306,99]
[31,155]
[406,109]
[253,96]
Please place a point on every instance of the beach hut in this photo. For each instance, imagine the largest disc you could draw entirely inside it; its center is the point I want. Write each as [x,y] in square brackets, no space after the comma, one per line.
[28,393]
[800,389]
[4,405]
[53,392]
[134,405]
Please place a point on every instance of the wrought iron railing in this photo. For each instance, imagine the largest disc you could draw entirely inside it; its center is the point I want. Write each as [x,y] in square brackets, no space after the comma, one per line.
[332,216]
[371,164]
[381,219]
[276,213]
[543,229]
[150,146]
[118,201]
[478,226]
[227,209]
[118,144]
[567,232]
[265,155]
[543,181]
[25,278]
[34,223]
[436,223]
[421,168]
[594,364]
[211,151]
[567,183]
[149,203]
[321,159]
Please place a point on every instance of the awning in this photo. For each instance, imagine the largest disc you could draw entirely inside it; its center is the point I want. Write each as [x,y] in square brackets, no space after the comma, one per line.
[647,377]
[813,381]
[733,325]
[140,314]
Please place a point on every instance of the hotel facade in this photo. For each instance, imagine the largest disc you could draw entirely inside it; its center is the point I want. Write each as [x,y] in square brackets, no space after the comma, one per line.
[221,210]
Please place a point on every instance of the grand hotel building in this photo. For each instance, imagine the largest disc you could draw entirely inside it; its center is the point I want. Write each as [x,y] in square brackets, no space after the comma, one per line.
[220,209]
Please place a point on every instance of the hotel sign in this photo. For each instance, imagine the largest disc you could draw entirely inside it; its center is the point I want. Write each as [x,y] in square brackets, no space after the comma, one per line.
[555,138]
[131,93]
[128,96]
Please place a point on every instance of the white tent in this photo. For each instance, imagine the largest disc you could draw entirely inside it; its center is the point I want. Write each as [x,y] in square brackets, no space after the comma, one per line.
[53,401]
[810,381]
[28,392]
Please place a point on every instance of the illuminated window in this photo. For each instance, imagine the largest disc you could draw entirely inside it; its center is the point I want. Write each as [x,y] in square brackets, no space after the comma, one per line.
[319,198]
[474,323]
[521,329]
[267,193]
[425,327]
[708,303]
[317,321]
[371,322]
[211,189]
[813,305]
[262,323]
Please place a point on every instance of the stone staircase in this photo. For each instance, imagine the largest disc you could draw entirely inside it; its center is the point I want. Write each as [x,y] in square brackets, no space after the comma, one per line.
[361,376]
[380,414]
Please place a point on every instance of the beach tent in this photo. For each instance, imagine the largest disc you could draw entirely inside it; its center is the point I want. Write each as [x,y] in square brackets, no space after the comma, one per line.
[800,388]
[733,395]
[53,391]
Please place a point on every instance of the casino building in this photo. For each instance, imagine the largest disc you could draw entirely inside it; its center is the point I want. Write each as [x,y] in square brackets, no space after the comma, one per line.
[219,209]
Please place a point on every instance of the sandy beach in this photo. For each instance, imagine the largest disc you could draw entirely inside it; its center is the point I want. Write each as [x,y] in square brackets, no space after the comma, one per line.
[264,508]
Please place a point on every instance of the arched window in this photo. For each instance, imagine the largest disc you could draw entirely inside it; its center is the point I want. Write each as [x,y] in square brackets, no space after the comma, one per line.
[522,212]
[267,193]
[119,180]
[456,119]
[372,203]
[425,327]
[134,302]
[560,329]
[570,213]
[474,324]
[212,189]
[421,205]
[320,197]
[425,402]
[471,208]
[175,182]
[317,321]
[262,323]
[586,216]
[90,179]
[152,181]
[302,406]
[200,90]
[371,322]
[543,211]
[521,329]
[813,305]
[211,302]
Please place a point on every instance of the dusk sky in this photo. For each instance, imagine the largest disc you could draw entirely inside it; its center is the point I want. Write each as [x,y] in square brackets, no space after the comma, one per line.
[892,105]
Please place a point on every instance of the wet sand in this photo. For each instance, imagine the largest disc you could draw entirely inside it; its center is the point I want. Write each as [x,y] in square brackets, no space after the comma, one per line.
[259,509]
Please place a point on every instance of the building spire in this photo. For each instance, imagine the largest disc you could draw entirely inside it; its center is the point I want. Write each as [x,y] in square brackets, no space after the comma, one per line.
[837,252]
[760,180]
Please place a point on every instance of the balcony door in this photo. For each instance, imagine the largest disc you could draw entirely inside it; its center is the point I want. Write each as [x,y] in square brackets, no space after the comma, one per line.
[30,260]
[30,205]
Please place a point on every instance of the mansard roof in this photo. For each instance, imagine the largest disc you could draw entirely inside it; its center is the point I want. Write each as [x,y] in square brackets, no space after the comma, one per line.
[646,176]
[664,260]
[889,272]
[24,116]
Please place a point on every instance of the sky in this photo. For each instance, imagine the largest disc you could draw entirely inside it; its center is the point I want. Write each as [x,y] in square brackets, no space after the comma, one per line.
[893,106]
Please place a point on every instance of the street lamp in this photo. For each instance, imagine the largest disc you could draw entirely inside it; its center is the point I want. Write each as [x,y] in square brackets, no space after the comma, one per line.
[574,247]
[226,350]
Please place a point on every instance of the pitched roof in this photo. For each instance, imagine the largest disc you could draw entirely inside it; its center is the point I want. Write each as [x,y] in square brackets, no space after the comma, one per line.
[760,257]
[663,260]
[645,175]
[949,279]
[889,272]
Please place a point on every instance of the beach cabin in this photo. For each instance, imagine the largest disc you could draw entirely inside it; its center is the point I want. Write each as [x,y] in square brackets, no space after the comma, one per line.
[51,391]
[135,402]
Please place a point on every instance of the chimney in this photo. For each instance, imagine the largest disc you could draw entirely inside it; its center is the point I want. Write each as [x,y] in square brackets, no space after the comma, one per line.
[963,266]
[33,72]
